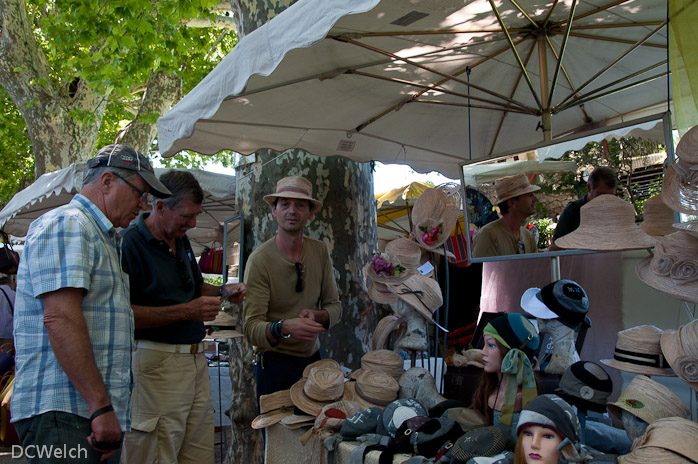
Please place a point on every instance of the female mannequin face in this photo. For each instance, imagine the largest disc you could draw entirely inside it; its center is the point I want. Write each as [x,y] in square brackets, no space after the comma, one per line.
[540,445]
[492,356]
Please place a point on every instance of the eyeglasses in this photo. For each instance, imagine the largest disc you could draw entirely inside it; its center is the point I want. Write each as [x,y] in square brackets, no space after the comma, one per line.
[521,246]
[182,268]
[141,193]
[299,274]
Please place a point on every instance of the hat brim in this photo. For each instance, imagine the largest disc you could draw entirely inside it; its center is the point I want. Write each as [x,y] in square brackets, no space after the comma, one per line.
[528,189]
[672,350]
[533,305]
[653,454]
[379,295]
[678,196]
[300,196]
[364,403]
[637,369]
[157,188]
[307,404]
[270,418]
[665,284]
[591,238]
[296,421]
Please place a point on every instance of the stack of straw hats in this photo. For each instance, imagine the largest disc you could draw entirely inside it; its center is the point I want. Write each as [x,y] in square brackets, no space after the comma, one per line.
[386,361]
[398,263]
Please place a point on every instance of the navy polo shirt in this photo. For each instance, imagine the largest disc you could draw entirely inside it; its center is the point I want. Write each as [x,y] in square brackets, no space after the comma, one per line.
[159,278]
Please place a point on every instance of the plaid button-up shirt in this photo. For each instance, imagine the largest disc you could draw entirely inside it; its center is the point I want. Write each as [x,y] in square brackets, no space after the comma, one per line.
[72,246]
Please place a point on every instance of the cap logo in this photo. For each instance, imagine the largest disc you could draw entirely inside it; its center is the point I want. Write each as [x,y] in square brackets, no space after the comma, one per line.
[586,392]
[572,291]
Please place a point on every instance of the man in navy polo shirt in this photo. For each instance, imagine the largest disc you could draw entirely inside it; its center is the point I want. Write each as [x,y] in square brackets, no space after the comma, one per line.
[172,405]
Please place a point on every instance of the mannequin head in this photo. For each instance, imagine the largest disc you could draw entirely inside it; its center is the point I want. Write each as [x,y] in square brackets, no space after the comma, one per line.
[492,354]
[537,445]
[633,425]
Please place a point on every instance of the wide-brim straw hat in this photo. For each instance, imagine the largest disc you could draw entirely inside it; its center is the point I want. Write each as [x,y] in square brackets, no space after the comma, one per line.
[270,418]
[387,326]
[680,348]
[607,224]
[648,400]
[294,187]
[667,441]
[512,186]
[382,277]
[658,217]
[673,266]
[638,351]
[326,363]
[273,408]
[380,293]
[680,187]
[434,209]
[374,389]
[321,387]
[407,251]
[296,421]
[421,293]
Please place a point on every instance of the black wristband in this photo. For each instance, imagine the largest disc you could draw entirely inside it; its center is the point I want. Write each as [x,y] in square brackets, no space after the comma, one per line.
[100,411]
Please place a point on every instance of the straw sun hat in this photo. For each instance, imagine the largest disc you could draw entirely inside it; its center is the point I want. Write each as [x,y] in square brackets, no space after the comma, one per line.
[680,185]
[389,325]
[673,267]
[273,408]
[680,347]
[294,187]
[648,400]
[321,387]
[607,224]
[434,216]
[374,389]
[638,351]
[327,363]
[667,441]
[406,251]
[513,186]
[421,293]
[387,269]
[658,217]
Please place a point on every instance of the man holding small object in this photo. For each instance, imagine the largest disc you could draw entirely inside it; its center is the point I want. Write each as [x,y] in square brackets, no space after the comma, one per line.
[293,295]
[172,404]
[73,324]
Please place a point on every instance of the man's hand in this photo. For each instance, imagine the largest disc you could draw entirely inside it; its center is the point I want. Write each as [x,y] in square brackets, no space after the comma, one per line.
[204,308]
[304,329]
[105,429]
[235,293]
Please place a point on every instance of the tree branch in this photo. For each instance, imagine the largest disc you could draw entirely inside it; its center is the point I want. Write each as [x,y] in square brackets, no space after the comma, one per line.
[225,22]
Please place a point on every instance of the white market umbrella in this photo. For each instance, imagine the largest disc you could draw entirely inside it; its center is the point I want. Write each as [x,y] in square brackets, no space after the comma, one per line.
[58,188]
[391,80]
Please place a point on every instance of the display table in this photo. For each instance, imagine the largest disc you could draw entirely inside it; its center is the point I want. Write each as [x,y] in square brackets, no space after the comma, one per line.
[283,442]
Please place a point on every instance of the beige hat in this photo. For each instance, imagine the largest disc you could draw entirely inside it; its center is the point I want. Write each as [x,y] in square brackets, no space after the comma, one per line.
[380,293]
[638,351]
[296,421]
[680,187]
[687,148]
[512,186]
[673,267]
[326,362]
[434,216]
[607,224]
[421,293]
[658,217]
[386,269]
[374,389]
[406,251]
[294,187]
[667,441]
[321,387]
[273,408]
[648,400]
[680,348]
[389,325]
[386,361]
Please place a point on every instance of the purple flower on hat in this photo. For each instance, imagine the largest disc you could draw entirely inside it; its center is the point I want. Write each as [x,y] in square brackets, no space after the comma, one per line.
[382,265]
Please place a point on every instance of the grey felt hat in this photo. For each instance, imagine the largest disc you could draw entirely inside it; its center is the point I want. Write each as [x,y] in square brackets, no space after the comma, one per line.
[563,299]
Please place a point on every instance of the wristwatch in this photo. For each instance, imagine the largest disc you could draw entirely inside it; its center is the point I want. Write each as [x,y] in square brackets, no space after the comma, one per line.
[283,335]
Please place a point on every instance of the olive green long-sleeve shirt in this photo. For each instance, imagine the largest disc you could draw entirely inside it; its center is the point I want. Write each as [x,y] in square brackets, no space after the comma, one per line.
[271,278]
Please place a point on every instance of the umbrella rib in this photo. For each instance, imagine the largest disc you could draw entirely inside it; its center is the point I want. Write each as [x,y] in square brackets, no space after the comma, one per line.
[567,77]
[429,69]
[523,12]
[562,50]
[612,63]
[482,107]
[615,40]
[516,53]
[598,10]
[615,25]
[597,93]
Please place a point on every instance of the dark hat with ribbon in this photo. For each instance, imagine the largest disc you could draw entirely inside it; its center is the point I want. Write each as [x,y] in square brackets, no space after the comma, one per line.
[586,385]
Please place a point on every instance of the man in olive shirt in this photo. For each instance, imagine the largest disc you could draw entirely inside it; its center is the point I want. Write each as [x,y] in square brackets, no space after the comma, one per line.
[292,295]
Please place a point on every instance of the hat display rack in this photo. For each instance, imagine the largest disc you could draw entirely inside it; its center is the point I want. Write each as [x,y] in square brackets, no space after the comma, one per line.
[434,215]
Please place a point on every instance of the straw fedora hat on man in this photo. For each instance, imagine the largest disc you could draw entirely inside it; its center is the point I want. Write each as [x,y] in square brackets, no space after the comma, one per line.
[322,386]
[434,216]
[667,441]
[658,217]
[648,400]
[638,351]
[421,293]
[680,348]
[607,223]
[512,186]
[294,187]
[673,268]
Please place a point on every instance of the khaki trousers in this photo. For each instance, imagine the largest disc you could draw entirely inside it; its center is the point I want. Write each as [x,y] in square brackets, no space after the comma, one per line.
[172,417]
